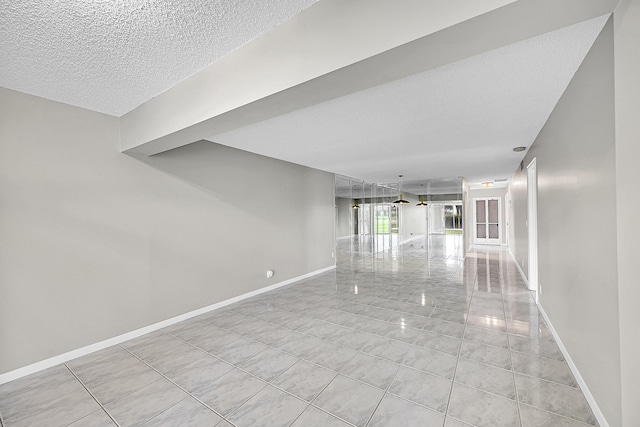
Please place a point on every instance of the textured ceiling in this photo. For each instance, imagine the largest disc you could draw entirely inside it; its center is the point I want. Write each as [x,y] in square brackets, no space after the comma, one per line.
[113,55]
[462,119]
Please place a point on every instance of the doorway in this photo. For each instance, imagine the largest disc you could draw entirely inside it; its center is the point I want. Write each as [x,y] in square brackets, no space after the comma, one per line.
[488,219]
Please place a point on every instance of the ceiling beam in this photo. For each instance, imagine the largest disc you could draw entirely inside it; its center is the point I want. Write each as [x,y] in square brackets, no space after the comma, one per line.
[332,49]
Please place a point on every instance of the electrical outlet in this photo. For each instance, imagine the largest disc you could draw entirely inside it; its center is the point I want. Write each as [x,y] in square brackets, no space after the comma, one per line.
[269,274]
[540,288]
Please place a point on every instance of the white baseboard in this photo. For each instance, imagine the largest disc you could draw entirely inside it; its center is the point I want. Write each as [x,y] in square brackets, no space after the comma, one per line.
[73,354]
[574,369]
[526,281]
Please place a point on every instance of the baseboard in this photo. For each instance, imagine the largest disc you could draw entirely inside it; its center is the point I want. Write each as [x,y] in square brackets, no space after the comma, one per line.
[526,281]
[73,354]
[574,370]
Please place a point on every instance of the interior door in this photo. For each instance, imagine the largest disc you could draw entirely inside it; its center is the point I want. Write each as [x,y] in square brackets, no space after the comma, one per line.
[488,221]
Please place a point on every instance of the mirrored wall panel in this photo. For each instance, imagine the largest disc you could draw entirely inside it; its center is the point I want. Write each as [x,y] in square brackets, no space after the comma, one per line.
[370,221]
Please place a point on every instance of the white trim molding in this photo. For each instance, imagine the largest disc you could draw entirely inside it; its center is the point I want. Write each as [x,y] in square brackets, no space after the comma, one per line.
[524,277]
[574,370]
[73,354]
[597,412]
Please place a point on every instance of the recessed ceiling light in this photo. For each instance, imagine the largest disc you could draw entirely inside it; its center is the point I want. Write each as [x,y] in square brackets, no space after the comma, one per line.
[519,149]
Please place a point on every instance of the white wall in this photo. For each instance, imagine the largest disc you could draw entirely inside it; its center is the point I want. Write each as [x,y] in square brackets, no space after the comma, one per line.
[414,218]
[627,107]
[94,243]
[576,165]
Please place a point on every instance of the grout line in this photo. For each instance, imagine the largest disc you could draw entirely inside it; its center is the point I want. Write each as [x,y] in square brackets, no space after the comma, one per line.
[399,281]
[268,383]
[91,394]
[455,369]
[175,384]
[513,373]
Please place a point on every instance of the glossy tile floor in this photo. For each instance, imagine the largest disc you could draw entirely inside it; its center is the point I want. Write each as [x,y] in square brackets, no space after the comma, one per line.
[417,336]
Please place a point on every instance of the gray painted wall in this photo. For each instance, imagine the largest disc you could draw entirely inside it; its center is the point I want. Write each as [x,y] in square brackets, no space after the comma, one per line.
[94,243]
[575,156]
[627,106]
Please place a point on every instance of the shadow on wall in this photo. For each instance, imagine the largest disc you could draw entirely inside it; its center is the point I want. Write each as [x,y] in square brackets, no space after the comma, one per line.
[258,186]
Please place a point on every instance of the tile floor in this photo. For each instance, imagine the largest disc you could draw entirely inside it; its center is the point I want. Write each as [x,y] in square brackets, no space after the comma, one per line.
[416,336]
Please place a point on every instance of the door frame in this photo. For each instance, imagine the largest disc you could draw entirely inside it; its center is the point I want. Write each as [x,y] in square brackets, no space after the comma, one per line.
[507,216]
[485,241]
[532,226]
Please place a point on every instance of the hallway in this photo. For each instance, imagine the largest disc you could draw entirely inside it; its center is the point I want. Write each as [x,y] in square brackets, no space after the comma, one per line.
[417,337]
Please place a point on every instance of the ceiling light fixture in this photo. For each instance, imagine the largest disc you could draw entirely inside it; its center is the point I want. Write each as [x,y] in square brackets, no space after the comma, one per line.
[487,184]
[400,200]
[519,149]
[355,205]
[421,202]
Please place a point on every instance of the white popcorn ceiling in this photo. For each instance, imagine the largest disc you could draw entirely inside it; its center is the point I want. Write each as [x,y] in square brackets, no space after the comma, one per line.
[113,55]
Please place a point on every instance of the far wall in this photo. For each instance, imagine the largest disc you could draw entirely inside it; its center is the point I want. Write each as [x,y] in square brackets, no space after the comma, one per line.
[489,193]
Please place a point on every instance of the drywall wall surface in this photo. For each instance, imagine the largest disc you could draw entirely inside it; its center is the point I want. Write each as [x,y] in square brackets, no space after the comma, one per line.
[575,160]
[94,243]
[627,107]
[413,218]
[518,242]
